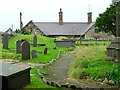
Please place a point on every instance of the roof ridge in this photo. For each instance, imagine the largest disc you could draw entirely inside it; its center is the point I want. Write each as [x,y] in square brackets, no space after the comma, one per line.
[64,22]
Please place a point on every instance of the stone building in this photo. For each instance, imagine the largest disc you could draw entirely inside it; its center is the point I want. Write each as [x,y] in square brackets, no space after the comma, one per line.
[85,30]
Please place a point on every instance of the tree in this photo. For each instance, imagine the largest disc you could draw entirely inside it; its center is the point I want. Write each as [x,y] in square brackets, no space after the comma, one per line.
[106,22]
[17,31]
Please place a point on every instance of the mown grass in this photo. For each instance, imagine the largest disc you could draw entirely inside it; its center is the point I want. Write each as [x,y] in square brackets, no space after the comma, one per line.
[36,81]
[49,43]
[90,62]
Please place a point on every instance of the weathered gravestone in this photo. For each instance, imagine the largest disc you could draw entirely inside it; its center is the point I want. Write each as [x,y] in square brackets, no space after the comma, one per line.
[18,46]
[0,38]
[113,50]
[65,43]
[5,41]
[25,50]
[45,50]
[34,54]
[13,76]
[35,41]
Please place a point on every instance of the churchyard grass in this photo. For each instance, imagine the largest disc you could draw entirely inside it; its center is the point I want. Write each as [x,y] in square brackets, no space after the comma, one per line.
[36,82]
[10,54]
[90,60]
[52,53]
[90,63]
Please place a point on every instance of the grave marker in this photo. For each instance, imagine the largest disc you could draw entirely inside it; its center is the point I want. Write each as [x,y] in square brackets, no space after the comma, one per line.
[5,41]
[34,54]
[45,50]
[113,50]
[18,46]
[35,41]
[25,50]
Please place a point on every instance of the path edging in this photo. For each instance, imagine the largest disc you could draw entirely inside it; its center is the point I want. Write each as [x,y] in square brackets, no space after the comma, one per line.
[52,83]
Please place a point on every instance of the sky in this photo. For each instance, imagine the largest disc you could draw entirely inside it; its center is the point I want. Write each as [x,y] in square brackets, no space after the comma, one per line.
[47,11]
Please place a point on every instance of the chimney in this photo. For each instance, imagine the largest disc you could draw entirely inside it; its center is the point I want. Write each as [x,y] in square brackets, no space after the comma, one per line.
[61,17]
[89,17]
[21,24]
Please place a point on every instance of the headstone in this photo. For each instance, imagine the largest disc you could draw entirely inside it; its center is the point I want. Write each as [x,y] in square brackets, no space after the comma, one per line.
[34,54]
[35,41]
[45,50]
[13,77]
[25,50]
[0,38]
[18,46]
[5,41]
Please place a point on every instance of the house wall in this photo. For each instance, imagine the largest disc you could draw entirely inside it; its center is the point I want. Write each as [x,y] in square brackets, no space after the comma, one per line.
[91,34]
[32,29]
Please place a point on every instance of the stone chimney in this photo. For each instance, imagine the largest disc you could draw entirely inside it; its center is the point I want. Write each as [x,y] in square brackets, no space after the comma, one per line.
[21,24]
[89,17]
[61,17]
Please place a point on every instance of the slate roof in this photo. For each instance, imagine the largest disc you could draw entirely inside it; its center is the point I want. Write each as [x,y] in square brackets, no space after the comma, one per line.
[68,28]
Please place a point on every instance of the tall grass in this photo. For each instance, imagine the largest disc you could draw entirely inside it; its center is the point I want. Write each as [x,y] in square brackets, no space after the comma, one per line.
[90,62]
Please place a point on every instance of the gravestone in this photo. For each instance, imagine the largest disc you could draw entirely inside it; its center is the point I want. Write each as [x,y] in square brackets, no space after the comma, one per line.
[113,50]
[13,76]
[45,50]
[34,54]
[0,38]
[35,41]
[25,50]
[5,41]
[18,46]
[65,43]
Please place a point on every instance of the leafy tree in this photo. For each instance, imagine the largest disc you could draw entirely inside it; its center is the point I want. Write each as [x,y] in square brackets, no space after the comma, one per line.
[24,31]
[106,22]
[17,31]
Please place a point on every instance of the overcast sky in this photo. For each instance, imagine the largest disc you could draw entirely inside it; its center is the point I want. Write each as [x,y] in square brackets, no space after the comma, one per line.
[47,11]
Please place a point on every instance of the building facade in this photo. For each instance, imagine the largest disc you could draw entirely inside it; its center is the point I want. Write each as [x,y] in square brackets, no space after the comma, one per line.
[85,30]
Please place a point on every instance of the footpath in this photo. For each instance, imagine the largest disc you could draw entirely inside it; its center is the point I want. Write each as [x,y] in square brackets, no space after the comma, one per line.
[58,73]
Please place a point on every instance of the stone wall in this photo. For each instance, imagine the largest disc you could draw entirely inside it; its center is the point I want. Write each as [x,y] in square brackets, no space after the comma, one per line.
[91,33]
[32,29]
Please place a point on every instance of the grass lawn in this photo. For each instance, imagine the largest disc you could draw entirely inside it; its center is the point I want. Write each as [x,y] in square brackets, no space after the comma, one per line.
[10,54]
[89,62]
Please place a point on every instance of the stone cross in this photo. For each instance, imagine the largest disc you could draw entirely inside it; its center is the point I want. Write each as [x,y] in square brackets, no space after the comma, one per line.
[18,46]
[35,41]
[113,50]
[5,41]
[25,50]
[118,32]
[34,54]
[118,20]
[45,50]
